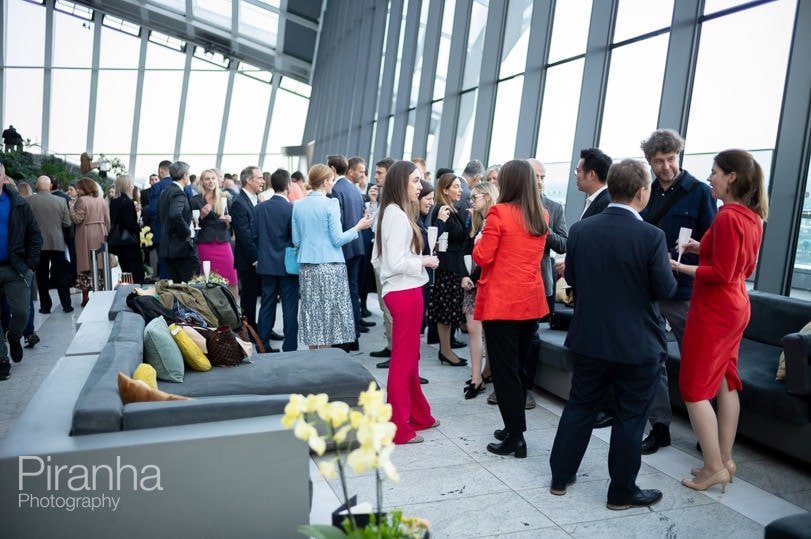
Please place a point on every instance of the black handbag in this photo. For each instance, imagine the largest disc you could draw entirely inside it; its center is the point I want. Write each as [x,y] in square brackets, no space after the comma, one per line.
[121,237]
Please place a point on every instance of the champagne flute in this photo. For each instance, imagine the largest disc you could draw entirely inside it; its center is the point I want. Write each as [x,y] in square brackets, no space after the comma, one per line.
[684,239]
[195,216]
[206,268]
[433,232]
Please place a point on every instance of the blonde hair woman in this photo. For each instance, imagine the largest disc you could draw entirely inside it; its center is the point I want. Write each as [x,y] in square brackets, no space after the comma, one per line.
[214,236]
[482,197]
[124,215]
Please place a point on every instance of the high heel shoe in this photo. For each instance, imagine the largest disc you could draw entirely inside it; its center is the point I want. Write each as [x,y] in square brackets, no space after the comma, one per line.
[460,363]
[512,444]
[729,465]
[472,390]
[720,477]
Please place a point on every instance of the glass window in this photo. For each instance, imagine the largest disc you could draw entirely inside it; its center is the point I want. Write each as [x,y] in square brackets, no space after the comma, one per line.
[464,130]
[162,57]
[433,139]
[258,24]
[444,49]
[415,85]
[214,11]
[570,30]
[159,113]
[23,102]
[637,17]
[403,30]
[740,74]
[292,85]
[204,105]
[801,277]
[409,135]
[118,50]
[505,120]
[73,42]
[115,106]
[632,96]
[69,104]
[475,43]
[287,124]
[713,6]
[516,38]
[25,40]
[246,121]
[200,161]
[558,117]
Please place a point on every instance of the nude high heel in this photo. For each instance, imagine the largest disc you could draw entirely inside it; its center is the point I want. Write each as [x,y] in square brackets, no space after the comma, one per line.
[729,465]
[720,477]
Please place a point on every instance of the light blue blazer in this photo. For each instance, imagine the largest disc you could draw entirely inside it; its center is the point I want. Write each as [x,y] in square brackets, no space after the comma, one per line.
[317,230]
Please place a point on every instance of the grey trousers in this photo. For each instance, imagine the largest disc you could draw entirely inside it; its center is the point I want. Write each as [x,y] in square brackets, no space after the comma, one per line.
[675,312]
[17,291]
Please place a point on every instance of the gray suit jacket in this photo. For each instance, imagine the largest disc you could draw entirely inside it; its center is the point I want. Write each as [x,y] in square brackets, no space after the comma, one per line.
[555,241]
[51,213]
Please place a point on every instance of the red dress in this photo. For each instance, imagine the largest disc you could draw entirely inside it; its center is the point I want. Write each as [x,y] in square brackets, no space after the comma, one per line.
[719,308]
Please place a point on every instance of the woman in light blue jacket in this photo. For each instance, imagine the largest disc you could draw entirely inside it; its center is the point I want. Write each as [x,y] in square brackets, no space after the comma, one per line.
[325,312]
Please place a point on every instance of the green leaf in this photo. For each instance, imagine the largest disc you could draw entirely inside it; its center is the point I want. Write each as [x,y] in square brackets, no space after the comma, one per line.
[321,531]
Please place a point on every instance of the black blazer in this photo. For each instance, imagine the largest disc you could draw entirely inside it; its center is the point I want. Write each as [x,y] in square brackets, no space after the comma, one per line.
[122,213]
[212,229]
[454,258]
[619,268]
[598,205]
[243,225]
[174,214]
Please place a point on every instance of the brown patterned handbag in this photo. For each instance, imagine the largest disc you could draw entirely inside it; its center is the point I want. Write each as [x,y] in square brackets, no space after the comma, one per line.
[223,349]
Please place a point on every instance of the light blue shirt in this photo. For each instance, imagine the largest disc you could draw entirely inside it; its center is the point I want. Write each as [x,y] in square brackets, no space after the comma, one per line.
[317,230]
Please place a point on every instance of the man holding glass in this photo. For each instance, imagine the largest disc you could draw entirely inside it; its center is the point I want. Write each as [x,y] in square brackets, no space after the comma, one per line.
[175,215]
[677,201]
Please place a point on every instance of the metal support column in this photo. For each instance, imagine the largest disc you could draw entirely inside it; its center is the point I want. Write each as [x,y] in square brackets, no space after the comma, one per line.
[139,97]
[45,141]
[384,105]
[232,71]
[184,90]
[94,81]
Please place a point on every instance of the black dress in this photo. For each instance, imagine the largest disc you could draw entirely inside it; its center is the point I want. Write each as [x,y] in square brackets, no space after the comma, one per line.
[445,299]
[122,213]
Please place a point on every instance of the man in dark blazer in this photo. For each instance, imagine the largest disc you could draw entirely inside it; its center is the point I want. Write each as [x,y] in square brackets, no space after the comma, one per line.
[273,234]
[619,268]
[591,173]
[352,209]
[242,222]
[174,213]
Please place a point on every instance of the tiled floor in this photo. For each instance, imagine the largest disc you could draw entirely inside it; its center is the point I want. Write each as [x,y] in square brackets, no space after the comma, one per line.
[464,491]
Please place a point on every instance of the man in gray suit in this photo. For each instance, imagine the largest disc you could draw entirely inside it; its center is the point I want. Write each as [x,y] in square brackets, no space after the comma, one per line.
[52,215]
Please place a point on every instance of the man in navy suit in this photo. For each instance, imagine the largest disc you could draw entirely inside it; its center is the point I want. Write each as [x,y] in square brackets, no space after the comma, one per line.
[591,174]
[352,209]
[619,268]
[242,222]
[176,246]
[273,234]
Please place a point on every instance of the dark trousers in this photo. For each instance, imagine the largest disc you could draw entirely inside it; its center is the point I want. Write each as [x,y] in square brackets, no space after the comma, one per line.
[53,268]
[180,270]
[131,262]
[353,270]
[285,287]
[634,387]
[249,290]
[16,290]
[5,316]
[507,346]
[530,366]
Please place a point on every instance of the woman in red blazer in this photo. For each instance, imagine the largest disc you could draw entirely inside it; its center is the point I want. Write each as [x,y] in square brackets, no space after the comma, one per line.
[511,297]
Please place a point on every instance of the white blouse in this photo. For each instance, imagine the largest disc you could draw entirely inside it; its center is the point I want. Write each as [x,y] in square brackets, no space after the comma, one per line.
[400,268]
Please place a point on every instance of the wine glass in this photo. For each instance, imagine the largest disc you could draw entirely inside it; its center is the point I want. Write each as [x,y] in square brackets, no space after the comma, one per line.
[432,236]
[684,239]
[195,215]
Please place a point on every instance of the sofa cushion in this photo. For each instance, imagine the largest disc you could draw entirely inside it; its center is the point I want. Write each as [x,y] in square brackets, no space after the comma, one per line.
[139,391]
[774,316]
[192,354]
[146,373]
[308,371]
[98,407]
[128,326]
[147,415]
[161,352]
[552,351]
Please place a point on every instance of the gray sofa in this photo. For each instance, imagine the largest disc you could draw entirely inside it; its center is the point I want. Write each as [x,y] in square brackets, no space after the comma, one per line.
[204,467]
[775,414]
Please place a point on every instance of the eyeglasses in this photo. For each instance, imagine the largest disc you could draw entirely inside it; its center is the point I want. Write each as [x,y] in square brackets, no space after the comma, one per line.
[578,171]
[476,197]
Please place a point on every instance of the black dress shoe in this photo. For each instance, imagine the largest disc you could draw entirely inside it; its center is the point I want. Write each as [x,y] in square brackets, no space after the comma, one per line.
[44,311]
[68,309]
[471,391]
[383,364]
[275,336]
[659,436]
[423,380]
[381,353]
[353,346]
[367,324]
[16,350]
[558,490]
[512,444]
[365,313]
[460,363]
[32,340]
[643,498]
[457,344]
[603,420]
[363,329]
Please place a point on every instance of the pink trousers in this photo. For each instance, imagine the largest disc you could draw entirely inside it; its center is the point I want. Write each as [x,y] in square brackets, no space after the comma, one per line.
[410,410]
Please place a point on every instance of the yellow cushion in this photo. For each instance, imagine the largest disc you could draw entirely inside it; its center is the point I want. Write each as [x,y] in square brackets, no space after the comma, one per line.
[192,355]
[137,391]
[781,363]
[146,373]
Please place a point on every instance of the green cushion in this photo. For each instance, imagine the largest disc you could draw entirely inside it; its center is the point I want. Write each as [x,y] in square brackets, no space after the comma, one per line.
[161,352]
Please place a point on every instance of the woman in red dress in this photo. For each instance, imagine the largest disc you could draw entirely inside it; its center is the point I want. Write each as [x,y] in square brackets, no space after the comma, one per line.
[719,312]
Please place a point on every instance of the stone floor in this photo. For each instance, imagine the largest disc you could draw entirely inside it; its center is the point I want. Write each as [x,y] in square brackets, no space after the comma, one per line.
[464,491]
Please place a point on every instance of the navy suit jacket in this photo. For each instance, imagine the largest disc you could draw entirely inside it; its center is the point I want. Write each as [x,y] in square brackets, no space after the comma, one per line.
[352,208]
[598,205]
[619,268]
[242,222]
[273,233]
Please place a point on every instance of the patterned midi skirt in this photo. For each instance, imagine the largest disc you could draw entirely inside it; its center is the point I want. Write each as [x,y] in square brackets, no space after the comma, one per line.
[325,311]
[445,300]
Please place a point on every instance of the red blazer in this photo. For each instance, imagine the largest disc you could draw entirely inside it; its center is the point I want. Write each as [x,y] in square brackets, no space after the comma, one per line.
[510,287]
